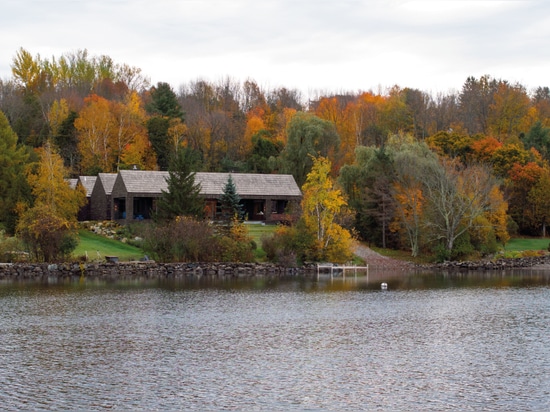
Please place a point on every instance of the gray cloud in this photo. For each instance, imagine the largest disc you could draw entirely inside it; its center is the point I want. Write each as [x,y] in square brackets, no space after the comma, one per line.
[322,44]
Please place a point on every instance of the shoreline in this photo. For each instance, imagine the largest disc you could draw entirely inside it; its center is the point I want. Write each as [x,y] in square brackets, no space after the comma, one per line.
[155,270]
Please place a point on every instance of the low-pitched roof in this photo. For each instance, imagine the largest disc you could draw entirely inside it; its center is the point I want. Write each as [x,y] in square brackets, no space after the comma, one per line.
[212,184]
[249,184]
[88,183]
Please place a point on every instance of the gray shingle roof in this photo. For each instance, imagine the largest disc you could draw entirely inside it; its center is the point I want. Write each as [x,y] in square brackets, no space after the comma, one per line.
[142,181]
[88,183]
[108,181]
[212,184]
[249,184]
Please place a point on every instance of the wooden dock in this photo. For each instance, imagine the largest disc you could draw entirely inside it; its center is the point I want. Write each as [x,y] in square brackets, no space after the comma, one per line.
[342,268]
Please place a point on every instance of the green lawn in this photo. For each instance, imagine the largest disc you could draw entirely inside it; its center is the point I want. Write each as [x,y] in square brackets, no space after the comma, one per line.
[94,244]
[521,244]
[257,231]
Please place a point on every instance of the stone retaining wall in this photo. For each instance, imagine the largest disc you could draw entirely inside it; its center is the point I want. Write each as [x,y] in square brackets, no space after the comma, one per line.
[145,270]
[499,264]
[153,270]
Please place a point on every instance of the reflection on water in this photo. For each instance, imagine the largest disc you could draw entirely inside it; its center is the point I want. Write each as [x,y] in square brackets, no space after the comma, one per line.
[431,342]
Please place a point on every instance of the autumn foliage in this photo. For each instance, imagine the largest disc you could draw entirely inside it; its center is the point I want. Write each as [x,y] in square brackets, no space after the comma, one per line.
[101,116]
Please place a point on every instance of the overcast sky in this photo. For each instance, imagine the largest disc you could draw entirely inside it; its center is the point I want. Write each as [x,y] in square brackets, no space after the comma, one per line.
[311,45]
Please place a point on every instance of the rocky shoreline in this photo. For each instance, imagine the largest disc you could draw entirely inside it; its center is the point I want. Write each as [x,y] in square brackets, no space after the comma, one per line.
[144,270]
[540,262]
[154,270]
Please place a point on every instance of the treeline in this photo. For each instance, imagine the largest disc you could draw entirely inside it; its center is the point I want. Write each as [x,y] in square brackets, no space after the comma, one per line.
[102,117]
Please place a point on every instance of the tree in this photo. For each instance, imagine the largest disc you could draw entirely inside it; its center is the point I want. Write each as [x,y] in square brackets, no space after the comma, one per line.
[412,161]
[510,106]
[321,206]
[539,198]
[48,227]
[539,138]
[164,102]
[66,141]
[50,187]
[112,133]
[475,99]
[230,202]
[308,137]
[367,184]
[13,186]
[456,196]
[157,129]
[129,134]
[183,195]
[94,126]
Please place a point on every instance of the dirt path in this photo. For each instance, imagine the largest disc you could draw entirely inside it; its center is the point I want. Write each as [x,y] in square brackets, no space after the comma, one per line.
[377,261]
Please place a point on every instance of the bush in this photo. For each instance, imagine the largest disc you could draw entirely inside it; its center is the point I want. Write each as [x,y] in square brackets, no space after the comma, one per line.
[181,240]
[12,250]
[235,243]
[288,246]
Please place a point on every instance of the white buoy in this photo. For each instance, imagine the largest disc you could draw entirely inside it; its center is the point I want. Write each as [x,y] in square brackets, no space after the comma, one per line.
[384,286]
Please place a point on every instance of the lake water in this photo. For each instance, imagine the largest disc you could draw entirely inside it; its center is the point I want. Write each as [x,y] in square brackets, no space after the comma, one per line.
[429,343]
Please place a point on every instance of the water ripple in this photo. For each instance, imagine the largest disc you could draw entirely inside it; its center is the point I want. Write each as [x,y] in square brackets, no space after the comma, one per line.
[275,349]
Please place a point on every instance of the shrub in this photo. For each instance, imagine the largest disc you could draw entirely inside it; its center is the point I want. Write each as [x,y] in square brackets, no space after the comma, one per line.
[181,240]
[12,250]
[236,245]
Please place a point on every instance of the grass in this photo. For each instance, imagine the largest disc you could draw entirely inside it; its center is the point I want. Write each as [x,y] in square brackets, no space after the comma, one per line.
[256,232]
[94,244]
[521,244]
[514,247]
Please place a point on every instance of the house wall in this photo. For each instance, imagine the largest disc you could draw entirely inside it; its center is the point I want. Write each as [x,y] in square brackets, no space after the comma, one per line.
[100,203]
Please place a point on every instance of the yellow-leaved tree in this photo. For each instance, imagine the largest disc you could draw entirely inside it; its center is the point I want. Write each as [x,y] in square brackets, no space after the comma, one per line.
[322,205]
[48,227]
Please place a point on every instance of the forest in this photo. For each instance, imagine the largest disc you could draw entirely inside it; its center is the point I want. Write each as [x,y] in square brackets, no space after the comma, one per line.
[455,174]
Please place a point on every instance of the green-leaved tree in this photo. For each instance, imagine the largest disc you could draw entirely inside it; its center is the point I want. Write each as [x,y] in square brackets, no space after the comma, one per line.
[231,202]
[183,195]
[13,185]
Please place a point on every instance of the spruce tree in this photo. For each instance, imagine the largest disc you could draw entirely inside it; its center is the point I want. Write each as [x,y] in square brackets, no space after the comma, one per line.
[183,195]
[14,187]
[231,202]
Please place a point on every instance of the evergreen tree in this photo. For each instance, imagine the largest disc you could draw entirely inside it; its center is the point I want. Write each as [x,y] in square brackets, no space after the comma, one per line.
[164,102]
[183,195]
[13,185]
[163,107]
[231,202]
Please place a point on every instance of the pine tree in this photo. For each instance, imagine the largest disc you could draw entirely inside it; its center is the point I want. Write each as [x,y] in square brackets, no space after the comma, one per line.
[13,185]
[231,202]
[183,195]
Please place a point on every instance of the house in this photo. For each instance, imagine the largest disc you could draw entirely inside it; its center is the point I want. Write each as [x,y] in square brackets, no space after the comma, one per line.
[264,197]
[87,182]
[100,198]
[135,192]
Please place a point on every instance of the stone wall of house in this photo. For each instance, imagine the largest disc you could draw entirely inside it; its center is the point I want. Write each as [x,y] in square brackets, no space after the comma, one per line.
[145,270]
